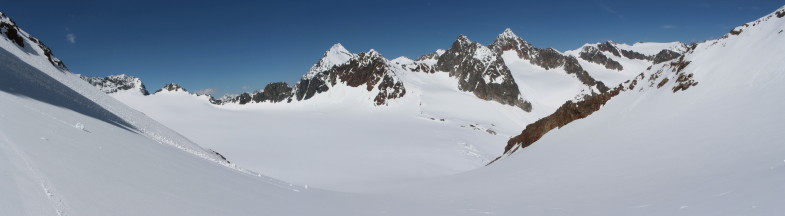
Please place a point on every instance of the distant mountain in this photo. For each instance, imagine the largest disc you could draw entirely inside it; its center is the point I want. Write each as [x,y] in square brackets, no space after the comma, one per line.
[114,83]
[480,70]
[606,129]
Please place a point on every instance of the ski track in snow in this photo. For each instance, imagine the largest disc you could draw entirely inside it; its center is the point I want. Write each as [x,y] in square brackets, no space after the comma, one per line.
[57,202]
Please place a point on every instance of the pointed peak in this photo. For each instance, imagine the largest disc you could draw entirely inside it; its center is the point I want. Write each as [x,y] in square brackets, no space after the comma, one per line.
[172,87]
[338,47]
[463,38]
[508,34]
[373,53]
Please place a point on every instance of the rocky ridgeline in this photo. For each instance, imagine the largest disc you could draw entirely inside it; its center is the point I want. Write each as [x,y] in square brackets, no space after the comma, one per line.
[596,54]
[574,110]
[546,58]
[114,83]
[11,32]
[479,69]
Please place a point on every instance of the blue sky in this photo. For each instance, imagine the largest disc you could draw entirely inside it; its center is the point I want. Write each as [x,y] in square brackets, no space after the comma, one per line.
[236,46]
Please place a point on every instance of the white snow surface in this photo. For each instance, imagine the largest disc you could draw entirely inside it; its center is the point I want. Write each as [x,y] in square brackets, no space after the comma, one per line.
[652,48]
[339,140]
[545,89]
[714,149]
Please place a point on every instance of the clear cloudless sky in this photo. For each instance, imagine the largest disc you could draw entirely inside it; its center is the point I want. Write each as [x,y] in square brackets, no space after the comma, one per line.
[236,46]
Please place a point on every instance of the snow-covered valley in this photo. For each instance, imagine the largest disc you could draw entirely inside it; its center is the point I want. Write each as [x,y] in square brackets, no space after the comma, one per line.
[695,134]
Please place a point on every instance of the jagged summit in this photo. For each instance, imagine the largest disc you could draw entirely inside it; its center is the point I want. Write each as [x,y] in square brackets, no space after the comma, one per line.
[116,83]
[172,87]
[373,52]
[338,48]
[507,34]
[336,55]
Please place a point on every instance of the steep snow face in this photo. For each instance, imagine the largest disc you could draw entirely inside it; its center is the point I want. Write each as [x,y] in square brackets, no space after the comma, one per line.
[67,148]
[547,89]
[713,149]
[336,55]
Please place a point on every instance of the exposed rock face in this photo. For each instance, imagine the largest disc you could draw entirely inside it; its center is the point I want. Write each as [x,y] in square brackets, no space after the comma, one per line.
[115,83]
[593,55]
[389,89]
[609,47]
[368,70]
[597,55]
[568,112]
[243,98]
[665,55]
[171,87]
[545,58]
[507,40]
[364,69]
[273,92]
[308,87]
[426,63]
[480,70]
[12,32]
[634,55]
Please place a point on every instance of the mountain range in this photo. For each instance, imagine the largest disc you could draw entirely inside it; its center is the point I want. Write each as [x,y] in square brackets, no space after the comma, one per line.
[505,128]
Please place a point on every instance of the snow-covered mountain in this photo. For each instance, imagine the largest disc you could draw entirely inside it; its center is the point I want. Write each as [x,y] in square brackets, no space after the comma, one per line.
[698,133]
[464,103]
[67,148]
[112,84]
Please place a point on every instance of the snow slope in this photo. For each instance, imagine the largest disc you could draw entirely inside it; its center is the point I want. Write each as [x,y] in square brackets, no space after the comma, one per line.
[337,140]
[67,148]
[714,149]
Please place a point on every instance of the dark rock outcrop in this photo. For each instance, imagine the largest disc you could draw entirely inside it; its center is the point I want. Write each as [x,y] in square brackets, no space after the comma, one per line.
[634,55]
[592,54]
[366,70]
[171,87]
[597,56]
[12,32]
[545,58]
[308,87]
[273,92]
[665,55]
[243,98]
[609,47]
[568,112]
[479,70]
[389,89]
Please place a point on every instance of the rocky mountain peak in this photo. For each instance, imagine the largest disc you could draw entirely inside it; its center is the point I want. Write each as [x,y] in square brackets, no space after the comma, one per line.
[172,87]
[507,34]
[462,41]
[115,83]
[338,48]
[507,41]
[336,55]
[480,71]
